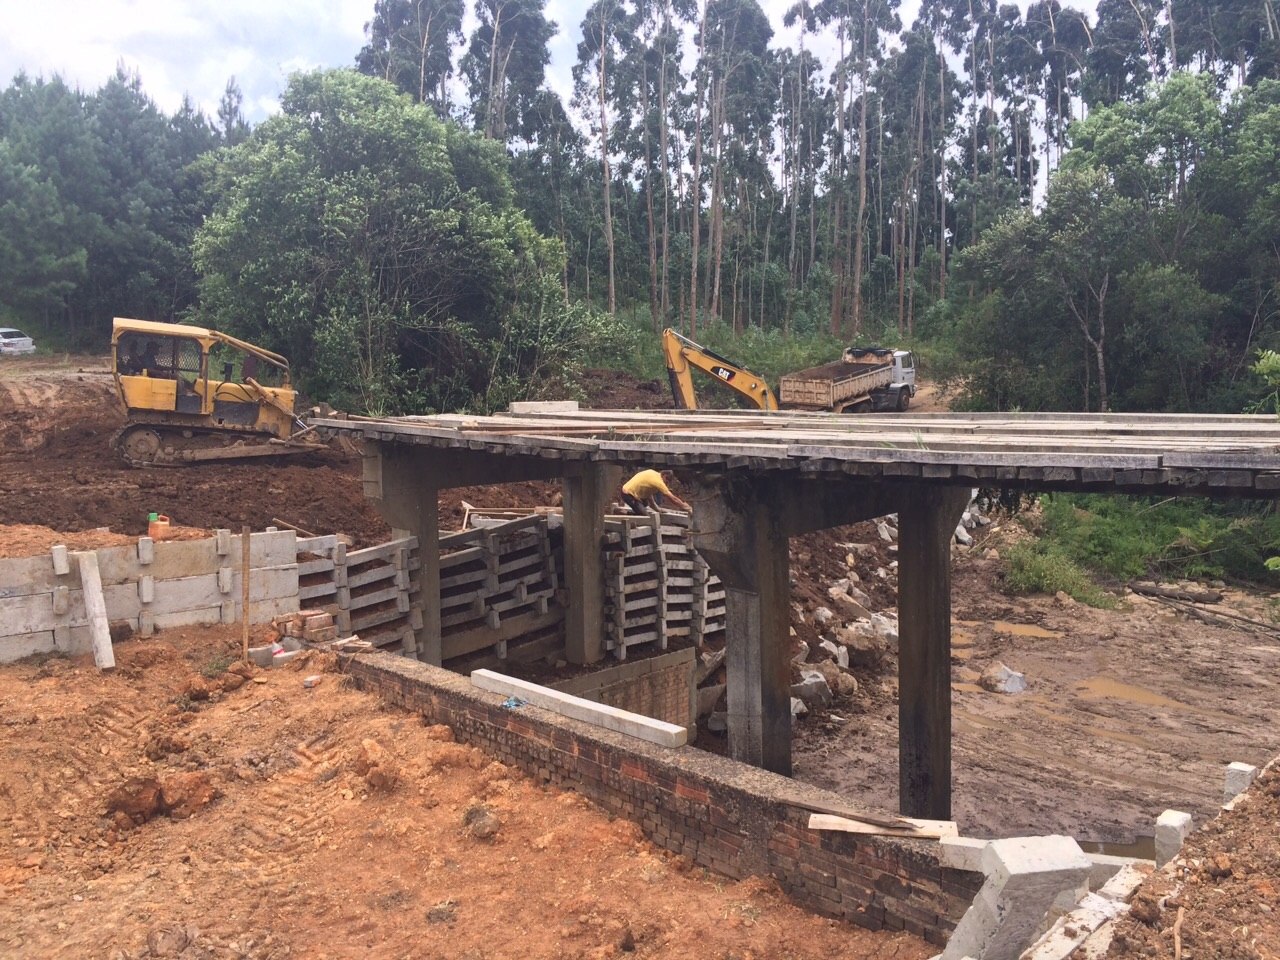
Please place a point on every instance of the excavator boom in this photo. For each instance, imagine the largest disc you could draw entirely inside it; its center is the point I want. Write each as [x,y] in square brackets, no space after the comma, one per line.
[684,355]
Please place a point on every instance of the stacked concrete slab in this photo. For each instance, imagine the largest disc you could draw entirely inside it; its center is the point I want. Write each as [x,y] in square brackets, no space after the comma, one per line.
[371,592]
[497,584]
[657,587]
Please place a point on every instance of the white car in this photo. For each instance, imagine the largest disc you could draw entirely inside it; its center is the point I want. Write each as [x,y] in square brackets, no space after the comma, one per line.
[15,341]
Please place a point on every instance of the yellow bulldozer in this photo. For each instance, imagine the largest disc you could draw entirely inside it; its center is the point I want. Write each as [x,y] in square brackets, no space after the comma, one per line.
[194,395]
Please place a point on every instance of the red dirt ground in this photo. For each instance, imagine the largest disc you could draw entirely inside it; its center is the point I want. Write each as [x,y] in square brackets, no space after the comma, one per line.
[286,849]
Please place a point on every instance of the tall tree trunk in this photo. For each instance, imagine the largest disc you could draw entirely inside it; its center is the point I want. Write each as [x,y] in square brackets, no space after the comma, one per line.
[860,224]
[604,163]
[942,176]
[837,199]
[695,188]
[665,146]
[648,201]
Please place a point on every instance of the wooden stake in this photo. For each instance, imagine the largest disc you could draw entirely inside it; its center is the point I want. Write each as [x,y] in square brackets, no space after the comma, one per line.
[244,592]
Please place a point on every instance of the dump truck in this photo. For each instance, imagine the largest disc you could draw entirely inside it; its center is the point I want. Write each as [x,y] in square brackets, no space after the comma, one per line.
[870,378]
[192,395]
[863,379]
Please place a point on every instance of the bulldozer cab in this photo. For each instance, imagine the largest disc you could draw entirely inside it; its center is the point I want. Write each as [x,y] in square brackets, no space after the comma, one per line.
[201,377]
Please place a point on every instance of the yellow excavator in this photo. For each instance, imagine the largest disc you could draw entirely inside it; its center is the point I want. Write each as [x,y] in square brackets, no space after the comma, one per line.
[684,355]
[194,395]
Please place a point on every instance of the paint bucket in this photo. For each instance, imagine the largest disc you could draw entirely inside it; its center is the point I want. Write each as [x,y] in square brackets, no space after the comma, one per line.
[157,526]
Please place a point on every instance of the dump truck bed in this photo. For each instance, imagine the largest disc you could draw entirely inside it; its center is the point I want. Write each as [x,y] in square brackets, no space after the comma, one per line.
[822,388]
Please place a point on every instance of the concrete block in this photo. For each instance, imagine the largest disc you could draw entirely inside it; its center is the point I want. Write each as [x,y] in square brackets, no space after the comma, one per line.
[61,601]
[222,542]
[1102,867]
[1172,828]
[633,724]
[1070,932]
[146,551]
[61,565]
[224,579]
[1126,881]
[1025,876]
[227,611]
[146,623]
[147,589]
[962,853]
[1239,777]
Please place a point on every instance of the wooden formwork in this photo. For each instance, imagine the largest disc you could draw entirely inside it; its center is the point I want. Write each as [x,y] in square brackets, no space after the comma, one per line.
[657,587]
[497,585]
[371,592]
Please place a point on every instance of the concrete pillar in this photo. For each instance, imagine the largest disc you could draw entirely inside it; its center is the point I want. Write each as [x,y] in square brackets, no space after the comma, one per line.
[586,497]
[927,518]
[410,503]
[1025,875]
[739,530]
[1239,777]
[1172,828]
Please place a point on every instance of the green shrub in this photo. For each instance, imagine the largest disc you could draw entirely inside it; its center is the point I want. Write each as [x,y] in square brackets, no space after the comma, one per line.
[1043,568]
[1127,537]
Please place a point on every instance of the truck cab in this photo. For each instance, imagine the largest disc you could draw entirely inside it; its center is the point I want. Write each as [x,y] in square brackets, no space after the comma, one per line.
[904,370]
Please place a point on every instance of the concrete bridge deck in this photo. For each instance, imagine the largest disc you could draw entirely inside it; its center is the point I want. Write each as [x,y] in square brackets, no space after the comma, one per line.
[757,479]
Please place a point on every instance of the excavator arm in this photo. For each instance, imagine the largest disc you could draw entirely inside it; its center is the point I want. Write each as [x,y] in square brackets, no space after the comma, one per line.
[683,355]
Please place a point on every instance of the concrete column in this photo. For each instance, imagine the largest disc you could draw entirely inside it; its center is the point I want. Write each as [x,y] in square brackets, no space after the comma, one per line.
[740,533]
[927,518]
[410,504]
[1172,828]
[586,497]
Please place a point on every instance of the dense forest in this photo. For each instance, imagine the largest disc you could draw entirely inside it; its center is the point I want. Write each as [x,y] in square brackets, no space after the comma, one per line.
[1058,210]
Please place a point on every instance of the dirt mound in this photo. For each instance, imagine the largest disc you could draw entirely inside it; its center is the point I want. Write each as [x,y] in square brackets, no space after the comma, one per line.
[618,390]
[1220,893]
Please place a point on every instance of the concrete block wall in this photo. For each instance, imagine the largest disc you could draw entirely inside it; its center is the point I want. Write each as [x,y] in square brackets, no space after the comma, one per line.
[149,585]
[661,687]
[726,816]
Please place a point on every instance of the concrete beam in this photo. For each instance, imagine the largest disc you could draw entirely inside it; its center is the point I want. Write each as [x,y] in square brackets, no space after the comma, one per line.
[586,497]
[927,518]
[1025,875]
[445,469]
[566,704]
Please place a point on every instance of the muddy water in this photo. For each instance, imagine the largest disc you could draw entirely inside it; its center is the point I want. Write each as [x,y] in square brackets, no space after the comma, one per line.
[1104,688]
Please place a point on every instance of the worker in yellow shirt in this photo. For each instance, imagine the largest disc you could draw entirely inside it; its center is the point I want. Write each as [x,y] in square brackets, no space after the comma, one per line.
[648,489]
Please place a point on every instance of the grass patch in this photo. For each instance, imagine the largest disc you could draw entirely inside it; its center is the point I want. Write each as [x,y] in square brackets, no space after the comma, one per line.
[1041,567]
[217,666]
[1122,538]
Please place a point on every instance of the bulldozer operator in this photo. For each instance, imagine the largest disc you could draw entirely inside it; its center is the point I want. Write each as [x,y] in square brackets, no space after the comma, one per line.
[648,490]
[146,360]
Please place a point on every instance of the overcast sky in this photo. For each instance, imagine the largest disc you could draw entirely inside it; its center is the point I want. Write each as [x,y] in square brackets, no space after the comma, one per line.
[194,46]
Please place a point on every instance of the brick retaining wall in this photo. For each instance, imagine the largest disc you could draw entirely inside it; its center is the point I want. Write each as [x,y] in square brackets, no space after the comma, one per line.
[723,815]
[661,687]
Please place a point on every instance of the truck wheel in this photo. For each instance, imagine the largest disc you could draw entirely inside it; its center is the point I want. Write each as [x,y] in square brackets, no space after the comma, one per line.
[904,400]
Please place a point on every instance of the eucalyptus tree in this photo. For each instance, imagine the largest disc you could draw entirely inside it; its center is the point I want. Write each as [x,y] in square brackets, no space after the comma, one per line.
[411,44]
[861,25]
[505,66]
[742,92]
[607,29]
